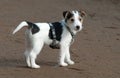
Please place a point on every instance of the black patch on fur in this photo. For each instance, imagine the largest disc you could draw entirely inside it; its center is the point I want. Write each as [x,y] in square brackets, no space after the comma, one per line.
[64,13]
[34,28]
[58,31]
[69,15]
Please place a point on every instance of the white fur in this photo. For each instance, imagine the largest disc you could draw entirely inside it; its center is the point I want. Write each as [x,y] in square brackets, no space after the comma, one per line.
[35,42]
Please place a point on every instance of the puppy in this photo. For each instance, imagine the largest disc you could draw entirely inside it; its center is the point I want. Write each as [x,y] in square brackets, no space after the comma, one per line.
[58,35]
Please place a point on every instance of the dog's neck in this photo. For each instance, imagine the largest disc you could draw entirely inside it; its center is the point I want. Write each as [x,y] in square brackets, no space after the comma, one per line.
[72,32]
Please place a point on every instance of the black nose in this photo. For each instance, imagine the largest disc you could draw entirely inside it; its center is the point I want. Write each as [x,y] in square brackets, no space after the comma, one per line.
[77,27]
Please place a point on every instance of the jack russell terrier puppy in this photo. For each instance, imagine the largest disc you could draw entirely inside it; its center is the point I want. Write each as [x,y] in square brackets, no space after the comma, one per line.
[58,35]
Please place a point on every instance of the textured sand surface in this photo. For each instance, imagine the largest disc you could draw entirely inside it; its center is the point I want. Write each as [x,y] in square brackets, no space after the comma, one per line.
[96,50]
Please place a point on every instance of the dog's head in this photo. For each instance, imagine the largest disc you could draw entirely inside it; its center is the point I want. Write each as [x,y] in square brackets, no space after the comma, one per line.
[74,19]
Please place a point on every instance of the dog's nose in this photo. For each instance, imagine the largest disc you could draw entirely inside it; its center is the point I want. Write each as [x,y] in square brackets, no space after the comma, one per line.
[77,27]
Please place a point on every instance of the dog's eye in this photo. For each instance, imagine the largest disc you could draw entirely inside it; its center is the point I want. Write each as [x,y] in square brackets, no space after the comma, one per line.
[72,20]
[80,19]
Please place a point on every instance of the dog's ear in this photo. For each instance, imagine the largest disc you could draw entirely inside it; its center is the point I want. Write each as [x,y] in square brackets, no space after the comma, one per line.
[82,13]
[65,13]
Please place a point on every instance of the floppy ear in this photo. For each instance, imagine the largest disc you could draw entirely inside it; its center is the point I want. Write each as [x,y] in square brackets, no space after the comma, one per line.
[82,13]
[65,13]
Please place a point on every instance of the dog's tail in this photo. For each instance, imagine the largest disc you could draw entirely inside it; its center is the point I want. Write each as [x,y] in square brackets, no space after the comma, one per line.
[21,25]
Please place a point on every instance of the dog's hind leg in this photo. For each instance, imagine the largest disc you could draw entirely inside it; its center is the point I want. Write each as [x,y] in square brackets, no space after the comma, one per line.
[32,52]
[28,50]
[37,46]
[27,56]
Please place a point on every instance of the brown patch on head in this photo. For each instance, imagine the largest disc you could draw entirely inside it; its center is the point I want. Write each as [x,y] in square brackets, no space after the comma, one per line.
[71,19]
[81,19]
[82,13]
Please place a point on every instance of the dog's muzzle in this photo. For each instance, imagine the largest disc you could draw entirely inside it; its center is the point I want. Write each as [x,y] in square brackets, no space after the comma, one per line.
[78,28]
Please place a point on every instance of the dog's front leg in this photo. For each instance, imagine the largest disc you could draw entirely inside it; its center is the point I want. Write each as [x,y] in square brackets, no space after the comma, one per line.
[67,57]
[63,50]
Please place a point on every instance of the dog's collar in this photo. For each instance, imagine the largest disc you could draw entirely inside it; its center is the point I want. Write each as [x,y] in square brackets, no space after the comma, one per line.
[72,33]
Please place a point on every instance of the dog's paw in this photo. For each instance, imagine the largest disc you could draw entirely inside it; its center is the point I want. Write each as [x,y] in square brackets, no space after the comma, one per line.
[70,62]
[35,66]
[63,64]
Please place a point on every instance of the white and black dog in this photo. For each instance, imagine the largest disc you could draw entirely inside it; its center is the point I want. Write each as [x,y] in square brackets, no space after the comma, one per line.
[58,35]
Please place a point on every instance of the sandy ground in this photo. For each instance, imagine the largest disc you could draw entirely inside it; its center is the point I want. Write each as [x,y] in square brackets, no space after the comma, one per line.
[96,50]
